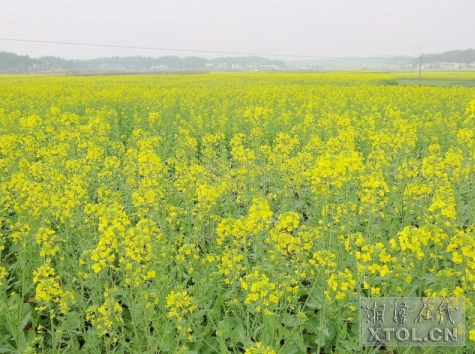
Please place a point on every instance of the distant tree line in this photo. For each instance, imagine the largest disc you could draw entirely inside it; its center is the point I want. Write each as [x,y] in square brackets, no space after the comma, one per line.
[14,62]
[21,63]
[454,56]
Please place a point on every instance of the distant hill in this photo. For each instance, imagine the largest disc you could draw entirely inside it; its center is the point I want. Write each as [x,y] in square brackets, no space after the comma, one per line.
[457,56]
[16,63]
[10,62]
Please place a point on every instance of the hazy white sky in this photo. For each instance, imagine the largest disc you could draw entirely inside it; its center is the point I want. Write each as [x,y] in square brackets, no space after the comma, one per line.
[297,27]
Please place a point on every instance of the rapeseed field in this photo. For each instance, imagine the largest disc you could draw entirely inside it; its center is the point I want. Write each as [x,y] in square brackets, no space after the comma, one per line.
[228,213]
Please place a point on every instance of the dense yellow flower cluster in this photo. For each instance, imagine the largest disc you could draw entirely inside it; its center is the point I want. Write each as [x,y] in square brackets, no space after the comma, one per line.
[259,349]
[105,317]
[3,275]
[260,292]
[228,212]
[179,304]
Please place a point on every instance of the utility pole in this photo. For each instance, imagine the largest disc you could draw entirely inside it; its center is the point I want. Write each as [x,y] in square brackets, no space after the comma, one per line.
[420,66]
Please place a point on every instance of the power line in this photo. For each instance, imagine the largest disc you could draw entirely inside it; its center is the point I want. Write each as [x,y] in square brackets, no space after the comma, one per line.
[190,50]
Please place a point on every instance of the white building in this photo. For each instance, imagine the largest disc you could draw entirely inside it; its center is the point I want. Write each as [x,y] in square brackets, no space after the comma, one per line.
[40,68]
[159,67]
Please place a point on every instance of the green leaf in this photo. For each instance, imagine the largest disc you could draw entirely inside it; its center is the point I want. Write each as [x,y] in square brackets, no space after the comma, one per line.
[24,321]
[272,323]
[223,348]
[291,349]
[312,304]
[429,279]
[211,346]
[237,334]
[224,327]
[322,336]
[312,324]
[289,320]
